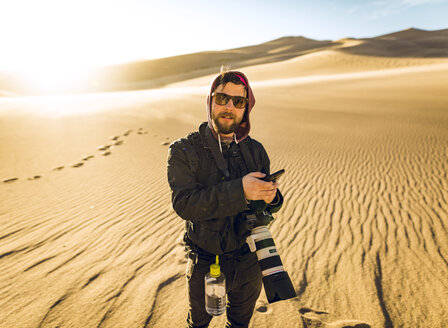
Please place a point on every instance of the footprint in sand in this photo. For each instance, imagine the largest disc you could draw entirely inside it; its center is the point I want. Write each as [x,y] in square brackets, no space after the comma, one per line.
[166,143]
[103,147]
[140,131]
[10,180]
[88,157]
[127,133]
[321,319]
[262,307]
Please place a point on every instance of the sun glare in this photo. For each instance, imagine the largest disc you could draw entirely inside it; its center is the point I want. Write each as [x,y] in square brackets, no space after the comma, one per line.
[54,79]
[53,45]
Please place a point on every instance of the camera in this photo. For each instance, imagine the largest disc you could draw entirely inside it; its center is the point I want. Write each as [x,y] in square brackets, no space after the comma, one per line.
[276,281]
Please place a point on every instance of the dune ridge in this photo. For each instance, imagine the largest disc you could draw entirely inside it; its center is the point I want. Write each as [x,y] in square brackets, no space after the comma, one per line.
[407,44]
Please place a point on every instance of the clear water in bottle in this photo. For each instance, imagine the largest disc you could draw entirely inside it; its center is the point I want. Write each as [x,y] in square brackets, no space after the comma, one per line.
[215,299]
[215,290]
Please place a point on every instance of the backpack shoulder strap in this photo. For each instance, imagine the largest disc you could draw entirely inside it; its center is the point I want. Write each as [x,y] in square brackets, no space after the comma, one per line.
[190,152]
[198,158]
[247,149]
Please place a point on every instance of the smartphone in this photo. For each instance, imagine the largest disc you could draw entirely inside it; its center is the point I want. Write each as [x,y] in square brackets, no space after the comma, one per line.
[274,176]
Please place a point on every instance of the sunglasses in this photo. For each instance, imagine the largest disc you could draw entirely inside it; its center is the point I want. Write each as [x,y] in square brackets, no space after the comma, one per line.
[223,98]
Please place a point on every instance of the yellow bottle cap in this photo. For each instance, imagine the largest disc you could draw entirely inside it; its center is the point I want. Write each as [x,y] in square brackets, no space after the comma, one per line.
[215,269]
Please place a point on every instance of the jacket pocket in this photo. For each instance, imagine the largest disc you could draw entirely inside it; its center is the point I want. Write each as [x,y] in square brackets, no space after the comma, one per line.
[208,240]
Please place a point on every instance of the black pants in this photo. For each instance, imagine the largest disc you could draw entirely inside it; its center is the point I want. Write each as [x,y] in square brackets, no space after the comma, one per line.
[243,285]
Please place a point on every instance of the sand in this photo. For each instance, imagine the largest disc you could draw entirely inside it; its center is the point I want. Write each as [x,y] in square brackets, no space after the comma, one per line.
[89,238]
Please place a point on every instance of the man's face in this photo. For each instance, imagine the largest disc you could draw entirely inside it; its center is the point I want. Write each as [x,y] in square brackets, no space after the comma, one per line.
[227,118]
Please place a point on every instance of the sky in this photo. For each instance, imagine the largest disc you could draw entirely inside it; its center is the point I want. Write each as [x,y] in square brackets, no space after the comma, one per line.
[64,35]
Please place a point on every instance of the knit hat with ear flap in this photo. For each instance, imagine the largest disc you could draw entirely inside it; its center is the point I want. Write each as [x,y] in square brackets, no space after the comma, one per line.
[243,130]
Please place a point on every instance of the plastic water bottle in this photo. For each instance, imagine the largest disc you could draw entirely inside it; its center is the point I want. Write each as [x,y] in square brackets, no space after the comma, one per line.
[215,290]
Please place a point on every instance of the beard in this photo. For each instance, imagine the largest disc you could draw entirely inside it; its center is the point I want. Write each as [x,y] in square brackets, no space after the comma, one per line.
[226,128]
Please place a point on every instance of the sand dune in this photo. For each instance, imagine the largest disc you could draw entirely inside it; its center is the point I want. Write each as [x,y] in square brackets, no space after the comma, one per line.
[327,62]
[363,232]
[408,44]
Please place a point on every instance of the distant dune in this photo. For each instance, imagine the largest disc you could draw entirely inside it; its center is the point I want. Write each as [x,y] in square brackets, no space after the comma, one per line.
[88,236]
[410,43]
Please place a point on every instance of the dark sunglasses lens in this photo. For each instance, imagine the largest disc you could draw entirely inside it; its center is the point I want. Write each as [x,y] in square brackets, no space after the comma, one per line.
[221,99]
[239,102]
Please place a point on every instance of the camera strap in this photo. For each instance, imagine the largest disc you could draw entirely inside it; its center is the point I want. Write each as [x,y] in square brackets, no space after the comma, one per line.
[217,155]
[248,154]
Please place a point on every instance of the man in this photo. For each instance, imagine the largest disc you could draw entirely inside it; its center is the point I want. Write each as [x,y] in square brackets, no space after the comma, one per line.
[215,177]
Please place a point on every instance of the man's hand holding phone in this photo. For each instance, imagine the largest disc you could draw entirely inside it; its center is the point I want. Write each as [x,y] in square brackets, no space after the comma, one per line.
[256,188]
[274,176]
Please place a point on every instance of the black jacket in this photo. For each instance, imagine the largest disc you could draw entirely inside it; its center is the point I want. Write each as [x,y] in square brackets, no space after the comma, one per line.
[213,204]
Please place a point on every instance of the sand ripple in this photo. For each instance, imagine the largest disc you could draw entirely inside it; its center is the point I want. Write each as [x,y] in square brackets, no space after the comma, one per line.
[363,232]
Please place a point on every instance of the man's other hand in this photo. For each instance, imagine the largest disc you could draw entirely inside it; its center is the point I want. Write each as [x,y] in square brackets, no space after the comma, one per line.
[256,189]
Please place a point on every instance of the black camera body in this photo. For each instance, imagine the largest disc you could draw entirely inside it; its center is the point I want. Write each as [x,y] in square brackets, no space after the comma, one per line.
[253,220]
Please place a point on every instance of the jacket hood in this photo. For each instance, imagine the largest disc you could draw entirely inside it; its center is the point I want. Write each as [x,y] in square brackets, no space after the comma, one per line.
[243,130]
